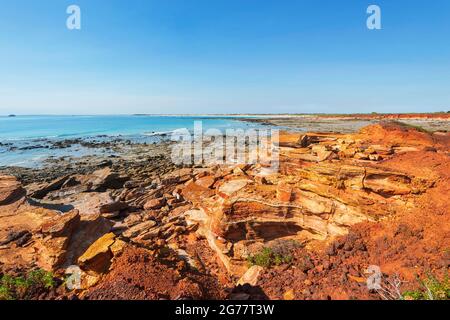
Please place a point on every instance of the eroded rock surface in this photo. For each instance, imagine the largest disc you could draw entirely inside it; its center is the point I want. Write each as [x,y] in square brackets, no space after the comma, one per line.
[10,190]
[177,225]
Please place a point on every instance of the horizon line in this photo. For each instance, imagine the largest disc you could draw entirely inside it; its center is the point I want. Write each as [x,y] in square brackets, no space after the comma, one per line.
[226,114]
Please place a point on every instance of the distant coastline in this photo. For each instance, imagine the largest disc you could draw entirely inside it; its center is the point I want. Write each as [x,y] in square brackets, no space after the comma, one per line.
[440,114]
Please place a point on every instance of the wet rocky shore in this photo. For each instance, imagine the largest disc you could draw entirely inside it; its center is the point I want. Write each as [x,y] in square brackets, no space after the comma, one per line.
[123,155]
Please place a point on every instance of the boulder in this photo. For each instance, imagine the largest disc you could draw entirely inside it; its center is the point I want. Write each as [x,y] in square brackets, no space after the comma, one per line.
[91,228]
[117,247]
[387,183]
[63,193]
[10,190]
[53,239]
[195,192]
[62,225]
[147,235]
[52,252]
[177,177]
[17,229]
[98,256]
[154,204]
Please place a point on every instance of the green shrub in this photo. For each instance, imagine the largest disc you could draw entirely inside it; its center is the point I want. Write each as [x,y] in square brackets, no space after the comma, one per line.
[41,278]
[431,289]
[413,295]
[5,293]
[12,288]
[267,258]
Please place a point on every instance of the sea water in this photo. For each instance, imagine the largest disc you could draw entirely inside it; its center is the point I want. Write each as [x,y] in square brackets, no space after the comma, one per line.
[24,139]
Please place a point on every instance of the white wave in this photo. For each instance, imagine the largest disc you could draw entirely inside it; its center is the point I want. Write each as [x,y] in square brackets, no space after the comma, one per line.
[158,133]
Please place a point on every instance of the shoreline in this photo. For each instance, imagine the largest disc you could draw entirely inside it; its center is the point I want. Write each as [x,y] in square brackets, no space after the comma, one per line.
[107,154]
[135,220]
[352,123]
[84,154]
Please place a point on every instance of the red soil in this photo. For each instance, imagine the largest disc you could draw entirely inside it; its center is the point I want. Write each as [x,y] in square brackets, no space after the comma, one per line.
[138,275]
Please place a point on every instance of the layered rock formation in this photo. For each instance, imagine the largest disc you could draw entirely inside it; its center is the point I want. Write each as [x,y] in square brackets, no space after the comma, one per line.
[213,219]
[325,185]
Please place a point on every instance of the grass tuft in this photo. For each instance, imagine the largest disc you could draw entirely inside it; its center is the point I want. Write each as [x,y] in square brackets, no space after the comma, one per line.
[267,258]
[23,288]
[431,289]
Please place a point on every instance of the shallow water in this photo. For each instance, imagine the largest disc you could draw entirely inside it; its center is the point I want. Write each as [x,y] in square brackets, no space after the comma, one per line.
[27,140]
[35,127]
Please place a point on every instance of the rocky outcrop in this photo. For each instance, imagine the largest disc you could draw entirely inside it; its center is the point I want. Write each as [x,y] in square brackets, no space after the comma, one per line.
[213,219]
[10,190]
[31,234]
[320,192]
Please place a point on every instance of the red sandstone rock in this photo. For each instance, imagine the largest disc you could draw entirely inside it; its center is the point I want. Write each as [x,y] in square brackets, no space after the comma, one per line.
[10,190]
[206,182]
[155,204]
[284,192]
[61,225]
[194,192]
[113,207]
[97,257]
[92,202]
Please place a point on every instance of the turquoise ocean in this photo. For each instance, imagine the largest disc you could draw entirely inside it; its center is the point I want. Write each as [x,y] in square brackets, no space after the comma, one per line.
[25,140]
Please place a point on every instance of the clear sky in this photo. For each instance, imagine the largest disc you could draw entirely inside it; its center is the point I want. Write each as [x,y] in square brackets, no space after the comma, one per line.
[224,56]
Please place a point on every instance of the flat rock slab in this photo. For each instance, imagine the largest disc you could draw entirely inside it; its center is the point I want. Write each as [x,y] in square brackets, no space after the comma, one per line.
[139,229]
[233,186]
[93,202]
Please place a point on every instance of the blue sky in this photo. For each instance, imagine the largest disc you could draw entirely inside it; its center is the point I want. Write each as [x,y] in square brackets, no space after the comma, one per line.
[224,56]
